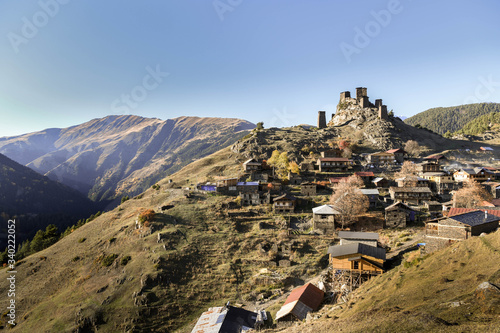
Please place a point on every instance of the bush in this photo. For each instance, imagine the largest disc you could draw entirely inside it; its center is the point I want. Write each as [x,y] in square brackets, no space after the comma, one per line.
[125,260]
[147,215]
[108,260]
[81,240]
[76,258]
[125,198]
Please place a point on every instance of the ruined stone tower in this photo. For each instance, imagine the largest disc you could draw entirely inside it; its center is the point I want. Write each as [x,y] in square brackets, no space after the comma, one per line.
[321,119]
[362,97]
[362,101]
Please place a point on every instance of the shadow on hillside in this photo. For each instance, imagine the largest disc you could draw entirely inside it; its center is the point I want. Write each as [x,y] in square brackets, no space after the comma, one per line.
[397,260]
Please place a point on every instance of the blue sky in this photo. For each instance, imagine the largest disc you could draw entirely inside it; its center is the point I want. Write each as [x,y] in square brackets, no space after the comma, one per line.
[65,62]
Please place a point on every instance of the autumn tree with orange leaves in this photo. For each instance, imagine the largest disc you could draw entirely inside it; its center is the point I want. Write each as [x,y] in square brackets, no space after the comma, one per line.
[349,200]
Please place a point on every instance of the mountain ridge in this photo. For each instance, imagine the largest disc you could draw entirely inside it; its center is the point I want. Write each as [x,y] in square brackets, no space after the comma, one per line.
[106,157]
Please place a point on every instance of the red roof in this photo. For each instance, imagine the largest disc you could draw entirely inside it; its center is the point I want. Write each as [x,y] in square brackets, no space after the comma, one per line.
[397,150]
[458,211]
[308,294]
[336,179]
[364,174]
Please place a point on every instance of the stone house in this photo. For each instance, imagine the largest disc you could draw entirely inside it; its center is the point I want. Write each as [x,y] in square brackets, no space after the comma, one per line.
[308,189]
[381,182]
[357,257]
[252,165]
[300,302]
[442,232]
[326,164]
[413,195]
[372,194]
[493,188]
[412,181]
[398,215]
[324,219]
[441,183]
[247,187]
[284,204]
[255,198]
[399,154]
[294,178]
[367,238]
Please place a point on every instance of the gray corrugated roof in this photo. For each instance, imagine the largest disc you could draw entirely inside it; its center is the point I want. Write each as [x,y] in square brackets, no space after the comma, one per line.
[369,191]
[358,235]
[353,248]
[475,218]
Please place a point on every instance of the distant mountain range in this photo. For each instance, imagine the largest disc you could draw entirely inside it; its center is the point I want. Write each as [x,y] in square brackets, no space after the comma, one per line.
[123,154]
[452,119]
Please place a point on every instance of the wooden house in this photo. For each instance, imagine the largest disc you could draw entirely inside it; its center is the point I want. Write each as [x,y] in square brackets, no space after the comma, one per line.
[324,219]
[366,176]
[398,215]
[284,204]
[381,158]
[308,189]
[413,195]
[357,257]
[327,164]
[412,181]
[367,238]
[300,302]
[429,166]
[399,154]
[476,174]
[247,187]
[442,232]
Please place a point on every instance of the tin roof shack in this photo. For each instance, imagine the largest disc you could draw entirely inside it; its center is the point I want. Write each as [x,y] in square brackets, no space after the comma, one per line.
[308,189]
[399,154]
[324,219]
[327,164]
[372,194]
[225,319]
[398,215]
[300,302]
[350,237]
[442,232]
[252,165]
[357,257]
[414,195]
[284,204]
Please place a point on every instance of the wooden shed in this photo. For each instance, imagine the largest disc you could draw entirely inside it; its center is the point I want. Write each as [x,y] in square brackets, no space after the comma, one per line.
[357,257]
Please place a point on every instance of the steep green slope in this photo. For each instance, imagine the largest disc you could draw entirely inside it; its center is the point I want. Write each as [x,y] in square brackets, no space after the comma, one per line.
[442,120]
[481,124]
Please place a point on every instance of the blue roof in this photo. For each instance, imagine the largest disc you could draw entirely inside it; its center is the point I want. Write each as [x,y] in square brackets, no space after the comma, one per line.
[474,218]
[248,184]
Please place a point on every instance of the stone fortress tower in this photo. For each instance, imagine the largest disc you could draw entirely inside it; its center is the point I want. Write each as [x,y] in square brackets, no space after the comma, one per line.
[321,119]
[363,101]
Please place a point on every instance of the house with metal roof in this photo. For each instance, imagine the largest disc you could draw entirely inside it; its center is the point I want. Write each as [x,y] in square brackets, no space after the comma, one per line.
[349,237]
[324,219]
[300,302]
[252,165]
[398,214]
[284,203]
[413,195]
[226,319]
[445,231]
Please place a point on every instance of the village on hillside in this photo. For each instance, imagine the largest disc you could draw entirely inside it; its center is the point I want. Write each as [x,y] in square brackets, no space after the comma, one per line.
[353,199]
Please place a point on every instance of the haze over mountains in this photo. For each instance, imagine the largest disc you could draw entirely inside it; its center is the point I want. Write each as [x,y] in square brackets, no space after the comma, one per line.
[123,154]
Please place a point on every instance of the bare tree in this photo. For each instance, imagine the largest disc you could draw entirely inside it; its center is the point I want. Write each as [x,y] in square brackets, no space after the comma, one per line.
[412,147]
[408,169]
[471,195]
[349,200]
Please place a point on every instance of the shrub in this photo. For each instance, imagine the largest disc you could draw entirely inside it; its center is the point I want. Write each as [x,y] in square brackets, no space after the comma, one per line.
[125,198]
[108,260]
[76,258]
[147,215]
[125,260]
[81,240]
[112,240]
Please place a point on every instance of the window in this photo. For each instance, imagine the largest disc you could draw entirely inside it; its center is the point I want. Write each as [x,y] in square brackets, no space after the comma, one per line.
[355,265]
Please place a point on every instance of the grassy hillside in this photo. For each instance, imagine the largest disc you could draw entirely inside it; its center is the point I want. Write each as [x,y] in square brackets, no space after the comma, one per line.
[442,120]
[437,293]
